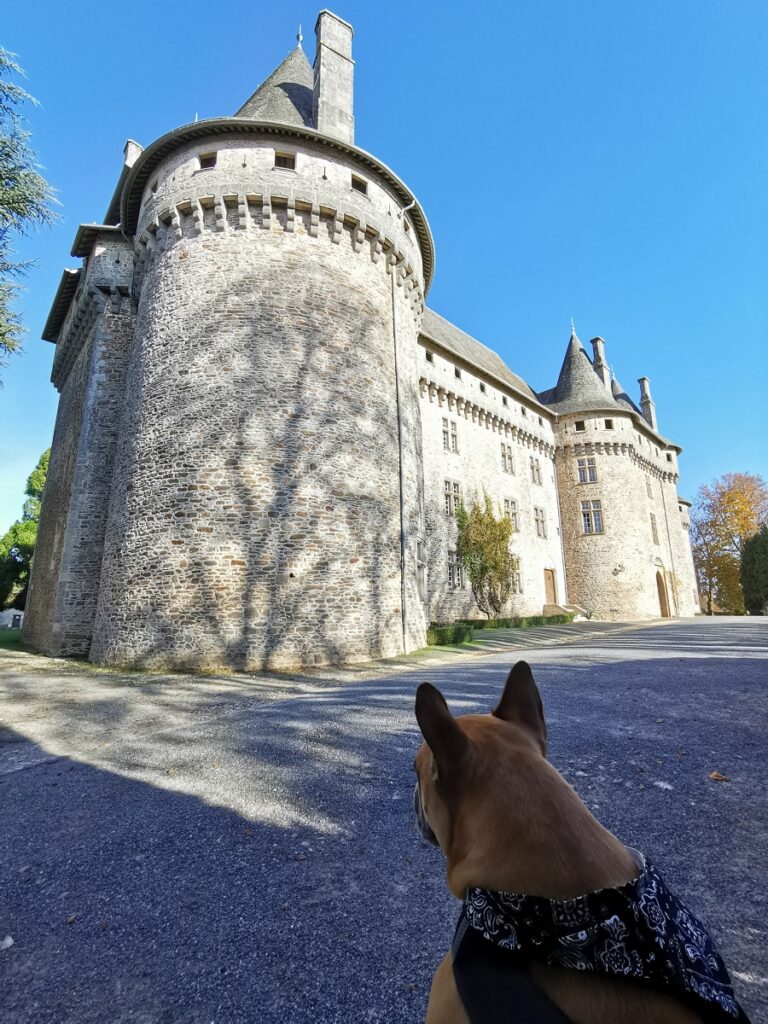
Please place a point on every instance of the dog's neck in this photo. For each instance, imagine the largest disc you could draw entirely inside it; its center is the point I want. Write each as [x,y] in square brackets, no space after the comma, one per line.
[538,839]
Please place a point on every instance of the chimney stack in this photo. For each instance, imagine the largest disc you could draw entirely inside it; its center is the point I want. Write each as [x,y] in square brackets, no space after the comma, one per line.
[647,406]
[599,363]
[332,100]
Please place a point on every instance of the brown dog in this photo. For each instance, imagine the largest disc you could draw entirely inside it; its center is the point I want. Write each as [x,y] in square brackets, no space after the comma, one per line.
[507,820]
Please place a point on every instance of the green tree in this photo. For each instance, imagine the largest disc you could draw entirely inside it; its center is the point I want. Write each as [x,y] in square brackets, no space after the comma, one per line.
[754,573]
[18,545]
[483,547]
[25,198]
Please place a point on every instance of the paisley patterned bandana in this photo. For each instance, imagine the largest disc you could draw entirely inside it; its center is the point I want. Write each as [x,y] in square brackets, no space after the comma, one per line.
[639,930]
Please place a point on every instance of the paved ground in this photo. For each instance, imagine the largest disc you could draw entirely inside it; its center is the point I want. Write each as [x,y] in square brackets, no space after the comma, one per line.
[187,851]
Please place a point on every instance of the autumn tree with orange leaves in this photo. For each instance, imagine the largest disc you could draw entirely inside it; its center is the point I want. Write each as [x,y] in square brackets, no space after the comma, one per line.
[726,514]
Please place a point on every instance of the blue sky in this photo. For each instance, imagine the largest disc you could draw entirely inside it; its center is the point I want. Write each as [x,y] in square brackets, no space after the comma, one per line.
[606,161]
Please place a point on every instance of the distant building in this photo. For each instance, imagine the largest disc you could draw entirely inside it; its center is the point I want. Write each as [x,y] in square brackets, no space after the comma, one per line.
[263,433]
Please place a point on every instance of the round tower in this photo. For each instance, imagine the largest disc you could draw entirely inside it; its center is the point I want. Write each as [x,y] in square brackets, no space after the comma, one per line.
[267,501]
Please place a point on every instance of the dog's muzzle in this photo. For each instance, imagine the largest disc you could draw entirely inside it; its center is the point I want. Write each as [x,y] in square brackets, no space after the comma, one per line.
[421,819]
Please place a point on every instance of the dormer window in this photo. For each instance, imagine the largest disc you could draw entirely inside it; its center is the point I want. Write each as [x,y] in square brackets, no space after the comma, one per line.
[287,161]
[360,185]
[207,160]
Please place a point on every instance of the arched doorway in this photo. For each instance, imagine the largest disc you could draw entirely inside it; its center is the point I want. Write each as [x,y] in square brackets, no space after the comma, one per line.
[663,602]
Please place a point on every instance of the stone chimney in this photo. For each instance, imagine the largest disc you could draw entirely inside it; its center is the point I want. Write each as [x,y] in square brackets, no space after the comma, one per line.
[334,71]
[647,406]
[132,151]
[598,361]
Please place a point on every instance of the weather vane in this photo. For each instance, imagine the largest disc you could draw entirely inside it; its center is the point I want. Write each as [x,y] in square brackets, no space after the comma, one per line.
[299,36]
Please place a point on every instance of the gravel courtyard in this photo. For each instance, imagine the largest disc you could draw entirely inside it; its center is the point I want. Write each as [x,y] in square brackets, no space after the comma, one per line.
[182,850]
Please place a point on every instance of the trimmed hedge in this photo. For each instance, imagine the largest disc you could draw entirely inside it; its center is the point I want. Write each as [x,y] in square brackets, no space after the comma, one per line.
[522,622]
[448,636]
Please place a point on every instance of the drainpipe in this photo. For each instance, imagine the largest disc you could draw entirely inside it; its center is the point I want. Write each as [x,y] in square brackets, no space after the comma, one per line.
[403,594]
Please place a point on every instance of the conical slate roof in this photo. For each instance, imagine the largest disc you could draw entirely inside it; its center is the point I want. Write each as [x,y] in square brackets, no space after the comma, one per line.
[286,96]
[622,397]
[578,387]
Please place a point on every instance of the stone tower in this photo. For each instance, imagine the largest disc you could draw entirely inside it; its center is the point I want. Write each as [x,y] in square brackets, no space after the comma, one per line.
[624,529]
[261,495]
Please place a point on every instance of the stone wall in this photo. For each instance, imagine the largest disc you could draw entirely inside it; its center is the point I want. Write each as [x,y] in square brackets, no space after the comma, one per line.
[255,514]
[486,419]
[613,574]
[89,368]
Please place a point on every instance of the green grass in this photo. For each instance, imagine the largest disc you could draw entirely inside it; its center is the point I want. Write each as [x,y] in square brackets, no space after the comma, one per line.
[10,639]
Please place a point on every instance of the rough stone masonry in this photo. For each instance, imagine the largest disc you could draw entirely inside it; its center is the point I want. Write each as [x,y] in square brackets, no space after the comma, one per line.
[263,433]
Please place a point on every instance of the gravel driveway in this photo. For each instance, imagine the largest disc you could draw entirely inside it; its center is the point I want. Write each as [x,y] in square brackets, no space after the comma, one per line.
[200,851]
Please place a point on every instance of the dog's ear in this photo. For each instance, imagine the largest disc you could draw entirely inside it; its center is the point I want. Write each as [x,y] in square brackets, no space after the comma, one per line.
[521,703]
[440,729]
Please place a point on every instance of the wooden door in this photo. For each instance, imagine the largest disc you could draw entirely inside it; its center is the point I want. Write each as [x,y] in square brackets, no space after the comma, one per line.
[549,586]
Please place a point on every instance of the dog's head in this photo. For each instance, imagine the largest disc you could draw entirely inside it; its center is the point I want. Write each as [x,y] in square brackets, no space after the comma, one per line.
[473,759]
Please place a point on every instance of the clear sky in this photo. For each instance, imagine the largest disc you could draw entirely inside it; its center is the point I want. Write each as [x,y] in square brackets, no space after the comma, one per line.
[601,160]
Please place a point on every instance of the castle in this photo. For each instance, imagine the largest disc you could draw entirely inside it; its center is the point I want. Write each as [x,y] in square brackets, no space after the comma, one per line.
[263,433]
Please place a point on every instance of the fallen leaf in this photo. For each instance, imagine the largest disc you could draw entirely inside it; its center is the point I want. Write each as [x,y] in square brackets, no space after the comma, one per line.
[72,918]
[717,777]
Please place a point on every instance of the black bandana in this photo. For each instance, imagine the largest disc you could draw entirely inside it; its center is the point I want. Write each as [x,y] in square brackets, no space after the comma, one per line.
[639,930]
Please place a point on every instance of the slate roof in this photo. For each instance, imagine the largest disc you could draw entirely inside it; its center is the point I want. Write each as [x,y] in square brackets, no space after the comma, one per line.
[286,96]
[443,333]
[578,387]
[622,397]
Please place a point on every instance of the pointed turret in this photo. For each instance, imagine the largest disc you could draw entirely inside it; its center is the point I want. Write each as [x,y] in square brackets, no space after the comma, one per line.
[578,386]
[621,396]
[286,96]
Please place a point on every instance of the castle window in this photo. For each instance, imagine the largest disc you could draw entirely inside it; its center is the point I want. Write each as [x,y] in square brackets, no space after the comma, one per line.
[457,372]
[286,160]
[648,487]
[430,356]
[510,511]
[153,186]
[359,185]
[523,410]
[482,387]
[587,471]
[540,521]
[535,470]
[455,572]
[541,422]
[452,495]
[580,425]
[517,582]
[450,436]
[207,160]
[507,459]
[654,529]
[504,400]
[669,456]
[592,516]
[421,569]
[609,424]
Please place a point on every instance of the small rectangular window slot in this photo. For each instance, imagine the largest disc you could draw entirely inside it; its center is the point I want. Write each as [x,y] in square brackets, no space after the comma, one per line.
[580,425]
[359,185]
[482,387]
[609,424]
[286,160]
[505,400]
[207,160]
[457,372]
[430,356]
